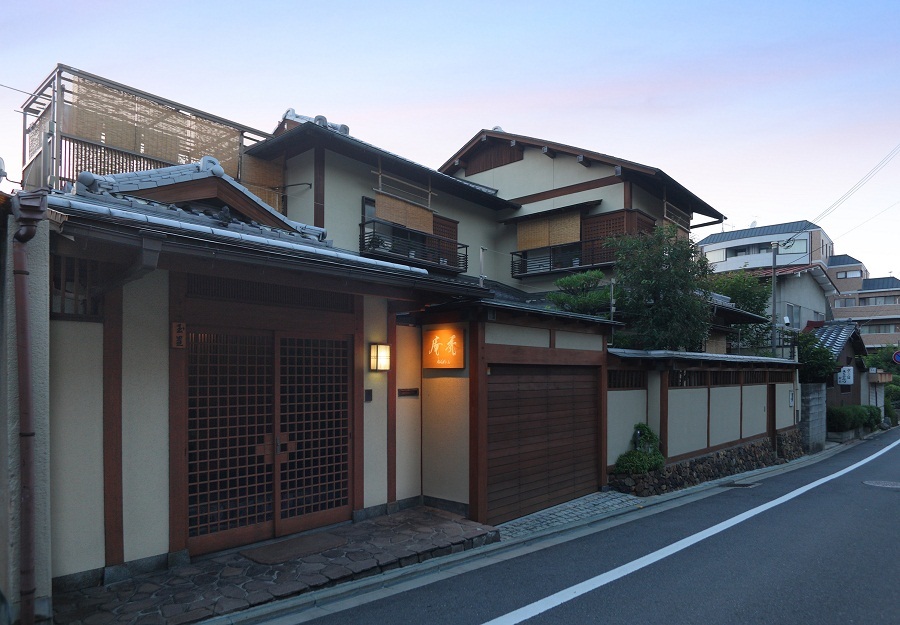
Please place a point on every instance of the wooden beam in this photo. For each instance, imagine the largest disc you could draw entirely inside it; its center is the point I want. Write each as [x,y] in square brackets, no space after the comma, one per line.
[112,429]
[546,151]
[567,190]
[583,160]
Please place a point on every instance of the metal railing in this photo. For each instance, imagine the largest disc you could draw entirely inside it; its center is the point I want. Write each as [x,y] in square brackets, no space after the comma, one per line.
[398,243]
[580,255]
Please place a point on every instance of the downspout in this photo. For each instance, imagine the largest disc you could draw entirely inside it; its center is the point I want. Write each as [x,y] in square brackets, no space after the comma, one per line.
[29,209]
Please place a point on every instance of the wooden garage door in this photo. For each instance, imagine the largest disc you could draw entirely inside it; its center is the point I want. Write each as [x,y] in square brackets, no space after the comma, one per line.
[542,437]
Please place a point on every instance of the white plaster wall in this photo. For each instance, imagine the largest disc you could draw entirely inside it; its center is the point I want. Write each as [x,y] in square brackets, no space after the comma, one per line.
[445,432]
[754,406]
[687,420]
[409,413]
[784,413]
[624,409]
[801,291]
[375,412]
[578,340]
[145,416]
[76,444]
[724,415]
[346,182]
[501,334]
[643,200]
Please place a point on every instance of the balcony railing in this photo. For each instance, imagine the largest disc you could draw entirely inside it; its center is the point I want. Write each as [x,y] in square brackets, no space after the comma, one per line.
[397,243]
[569,256]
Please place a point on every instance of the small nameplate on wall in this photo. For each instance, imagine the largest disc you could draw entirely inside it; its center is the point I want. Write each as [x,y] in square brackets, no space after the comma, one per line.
[179,335]
[407,392]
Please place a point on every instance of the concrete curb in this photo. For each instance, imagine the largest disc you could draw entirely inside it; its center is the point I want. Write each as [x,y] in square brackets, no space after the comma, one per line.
[290,607]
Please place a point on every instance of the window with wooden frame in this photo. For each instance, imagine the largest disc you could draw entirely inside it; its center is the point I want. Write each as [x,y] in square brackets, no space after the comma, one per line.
[627,380]
[73,289]
[686,379]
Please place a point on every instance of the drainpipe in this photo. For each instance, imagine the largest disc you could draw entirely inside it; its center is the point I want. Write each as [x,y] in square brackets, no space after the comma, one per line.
[29,210]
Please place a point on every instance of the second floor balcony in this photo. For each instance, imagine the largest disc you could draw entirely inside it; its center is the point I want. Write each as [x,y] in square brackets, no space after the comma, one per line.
[389,241]
[553,258]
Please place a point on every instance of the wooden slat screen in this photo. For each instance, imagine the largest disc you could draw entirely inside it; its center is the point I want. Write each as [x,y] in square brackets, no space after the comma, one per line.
[542,437]
[407,214]
[495,155]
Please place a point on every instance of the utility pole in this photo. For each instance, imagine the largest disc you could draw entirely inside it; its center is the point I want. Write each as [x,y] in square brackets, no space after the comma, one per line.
[774,300]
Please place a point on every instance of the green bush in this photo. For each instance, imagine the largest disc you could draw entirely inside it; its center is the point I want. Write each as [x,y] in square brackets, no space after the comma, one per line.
[636,461]
[645,456]
[846,418]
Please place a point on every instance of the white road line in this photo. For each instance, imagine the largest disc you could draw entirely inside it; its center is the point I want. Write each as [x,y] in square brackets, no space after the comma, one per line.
[572,592]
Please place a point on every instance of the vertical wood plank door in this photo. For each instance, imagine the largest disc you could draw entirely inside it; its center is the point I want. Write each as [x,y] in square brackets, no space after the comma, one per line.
[543,424]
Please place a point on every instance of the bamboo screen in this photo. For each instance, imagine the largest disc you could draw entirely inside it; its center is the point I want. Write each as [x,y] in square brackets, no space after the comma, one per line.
[406,214]
[553,230]
[120,120]
[35,134]
[264,179]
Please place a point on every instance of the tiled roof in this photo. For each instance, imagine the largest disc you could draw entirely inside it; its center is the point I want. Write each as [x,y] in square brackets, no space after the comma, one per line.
[207,167]
[842,259]
[789,228]
[834,335]
[880,284]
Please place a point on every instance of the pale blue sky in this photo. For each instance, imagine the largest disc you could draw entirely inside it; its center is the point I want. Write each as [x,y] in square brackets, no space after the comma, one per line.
[769,111]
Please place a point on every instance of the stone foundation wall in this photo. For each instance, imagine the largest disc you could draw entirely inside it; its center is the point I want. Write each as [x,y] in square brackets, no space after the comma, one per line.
[753,455]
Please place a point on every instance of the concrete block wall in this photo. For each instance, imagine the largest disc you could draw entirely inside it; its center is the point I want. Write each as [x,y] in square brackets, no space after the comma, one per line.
[812,417]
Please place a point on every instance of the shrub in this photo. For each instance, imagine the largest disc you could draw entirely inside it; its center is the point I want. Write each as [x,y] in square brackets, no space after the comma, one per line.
[846,418]
[645,456]
[890,413]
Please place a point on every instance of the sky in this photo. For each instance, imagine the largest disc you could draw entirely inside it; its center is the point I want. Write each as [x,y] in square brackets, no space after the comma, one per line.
[769,111]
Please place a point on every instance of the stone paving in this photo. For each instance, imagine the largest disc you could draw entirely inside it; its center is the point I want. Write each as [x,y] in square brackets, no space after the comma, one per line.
[593,505]
[228,582]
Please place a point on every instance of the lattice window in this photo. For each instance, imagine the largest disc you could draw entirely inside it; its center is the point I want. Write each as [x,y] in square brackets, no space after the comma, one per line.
[230,396]
[73,289]
[627,380]
[314,416]
[724,378]
[754,377]
[781,377]
[683,379]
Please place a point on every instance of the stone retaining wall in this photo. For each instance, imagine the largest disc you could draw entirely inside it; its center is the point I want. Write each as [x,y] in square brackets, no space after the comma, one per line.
[753,455]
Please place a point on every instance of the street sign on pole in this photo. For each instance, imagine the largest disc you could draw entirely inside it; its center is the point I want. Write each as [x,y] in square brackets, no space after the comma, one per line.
[896,357]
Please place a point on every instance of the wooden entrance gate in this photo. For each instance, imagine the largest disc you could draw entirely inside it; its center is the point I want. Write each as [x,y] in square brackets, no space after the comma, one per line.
[268,435]
[543,424]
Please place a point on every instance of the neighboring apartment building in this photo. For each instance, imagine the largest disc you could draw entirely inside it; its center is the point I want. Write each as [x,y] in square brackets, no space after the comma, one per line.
[802,285]
[873,303]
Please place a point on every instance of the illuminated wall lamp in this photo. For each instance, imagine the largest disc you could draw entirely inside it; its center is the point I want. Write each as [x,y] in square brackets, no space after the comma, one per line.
[379,357]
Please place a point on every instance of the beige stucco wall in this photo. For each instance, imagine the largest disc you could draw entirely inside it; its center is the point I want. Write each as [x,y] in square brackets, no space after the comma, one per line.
[501,334]
[37,253]
[724,415]
[578,340]
[445,432]
[299,170]
[687,420]
[375,411]
[76,444]
[145,416]
[536,173]
[643,200]
[784,413]
[623,409]
[409,413]
[754,407]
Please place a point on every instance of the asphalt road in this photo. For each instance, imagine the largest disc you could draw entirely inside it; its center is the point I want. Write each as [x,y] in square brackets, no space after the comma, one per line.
[826,555]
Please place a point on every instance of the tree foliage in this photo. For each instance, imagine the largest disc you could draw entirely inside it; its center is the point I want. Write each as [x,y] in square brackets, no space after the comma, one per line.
[748,293]
[816,362]
[664,295]
[582,293]
[883,359]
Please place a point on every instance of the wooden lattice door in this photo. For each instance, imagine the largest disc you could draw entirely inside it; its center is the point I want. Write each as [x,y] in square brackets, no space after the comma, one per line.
[268,436]
[312,433]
